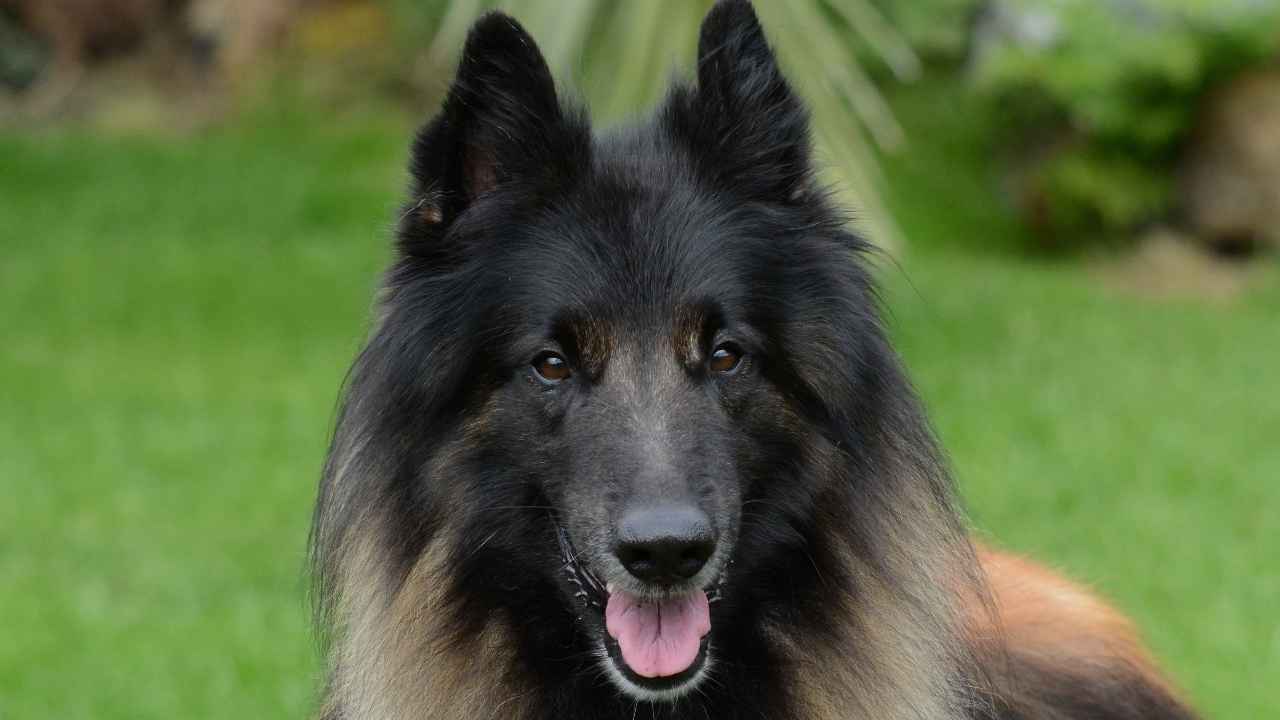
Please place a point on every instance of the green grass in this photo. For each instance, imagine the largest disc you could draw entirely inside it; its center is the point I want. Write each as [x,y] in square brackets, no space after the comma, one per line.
[177,315]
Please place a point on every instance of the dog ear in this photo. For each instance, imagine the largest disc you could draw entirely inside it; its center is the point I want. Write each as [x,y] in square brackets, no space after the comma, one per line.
[501,123]
[744,118]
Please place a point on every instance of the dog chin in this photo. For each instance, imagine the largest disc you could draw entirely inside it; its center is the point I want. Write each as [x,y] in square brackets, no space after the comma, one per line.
[655,690]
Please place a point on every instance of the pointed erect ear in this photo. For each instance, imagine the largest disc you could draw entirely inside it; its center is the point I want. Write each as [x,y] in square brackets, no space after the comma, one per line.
[501,124]
[744,120]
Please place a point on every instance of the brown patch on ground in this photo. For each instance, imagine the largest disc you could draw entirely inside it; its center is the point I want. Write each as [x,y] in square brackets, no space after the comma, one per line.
[1166,264]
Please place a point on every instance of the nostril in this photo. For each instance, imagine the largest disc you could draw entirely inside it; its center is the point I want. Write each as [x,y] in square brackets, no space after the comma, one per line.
[665,560]
[636,559]
[664,544]
[693,557]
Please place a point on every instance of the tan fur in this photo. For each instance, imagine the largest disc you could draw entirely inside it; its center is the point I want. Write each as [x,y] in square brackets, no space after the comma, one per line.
[391,662]
[1040,614]
[397,655]
[896,670]
[896,644]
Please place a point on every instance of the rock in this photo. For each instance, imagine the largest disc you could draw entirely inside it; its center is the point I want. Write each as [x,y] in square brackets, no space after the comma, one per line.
[1229,181]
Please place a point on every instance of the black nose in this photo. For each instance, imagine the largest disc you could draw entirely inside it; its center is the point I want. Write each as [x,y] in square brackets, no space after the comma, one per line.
[665,544]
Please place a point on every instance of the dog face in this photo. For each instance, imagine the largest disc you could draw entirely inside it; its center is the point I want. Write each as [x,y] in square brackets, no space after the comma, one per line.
[627,386]
[636,378]
[640,336]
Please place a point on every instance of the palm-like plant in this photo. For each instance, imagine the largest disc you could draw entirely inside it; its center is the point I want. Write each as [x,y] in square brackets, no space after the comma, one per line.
[620,51]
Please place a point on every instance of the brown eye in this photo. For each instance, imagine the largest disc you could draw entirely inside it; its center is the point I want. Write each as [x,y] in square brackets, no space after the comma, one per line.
[551,368]
[725,359]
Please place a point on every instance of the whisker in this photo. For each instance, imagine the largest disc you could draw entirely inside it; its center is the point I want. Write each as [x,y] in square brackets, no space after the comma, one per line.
[590,589]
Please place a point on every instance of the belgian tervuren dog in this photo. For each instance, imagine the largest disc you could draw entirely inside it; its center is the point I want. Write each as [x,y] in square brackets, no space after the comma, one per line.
[628,441]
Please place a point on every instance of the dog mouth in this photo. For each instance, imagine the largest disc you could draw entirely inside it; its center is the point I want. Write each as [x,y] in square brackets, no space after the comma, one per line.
[654,645]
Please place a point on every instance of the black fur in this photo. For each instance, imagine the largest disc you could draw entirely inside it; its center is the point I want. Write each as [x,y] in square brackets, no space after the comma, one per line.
[523,232]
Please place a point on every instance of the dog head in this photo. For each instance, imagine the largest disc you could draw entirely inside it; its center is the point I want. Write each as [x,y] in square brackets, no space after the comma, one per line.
[614,361]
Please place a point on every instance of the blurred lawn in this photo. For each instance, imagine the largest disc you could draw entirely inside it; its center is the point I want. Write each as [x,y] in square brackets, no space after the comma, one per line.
[177,315]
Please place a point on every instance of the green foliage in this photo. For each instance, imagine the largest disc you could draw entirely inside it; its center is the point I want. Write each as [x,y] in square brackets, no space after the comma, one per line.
[1092,188]
[939,30]
[1124,80]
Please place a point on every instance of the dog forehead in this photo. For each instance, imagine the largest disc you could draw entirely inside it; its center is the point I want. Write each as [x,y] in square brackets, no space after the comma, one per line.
[625,247]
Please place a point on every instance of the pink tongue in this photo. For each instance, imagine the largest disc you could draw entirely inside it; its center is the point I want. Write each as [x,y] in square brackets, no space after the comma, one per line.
[658,639]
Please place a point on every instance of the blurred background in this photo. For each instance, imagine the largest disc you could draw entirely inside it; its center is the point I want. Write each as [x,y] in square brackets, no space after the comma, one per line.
[1078,202]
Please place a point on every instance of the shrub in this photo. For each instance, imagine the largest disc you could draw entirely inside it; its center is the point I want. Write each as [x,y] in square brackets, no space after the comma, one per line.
[1121,81]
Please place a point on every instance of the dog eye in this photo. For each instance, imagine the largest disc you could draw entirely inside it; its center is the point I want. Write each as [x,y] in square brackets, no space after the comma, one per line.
[725,359]
[551,368]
